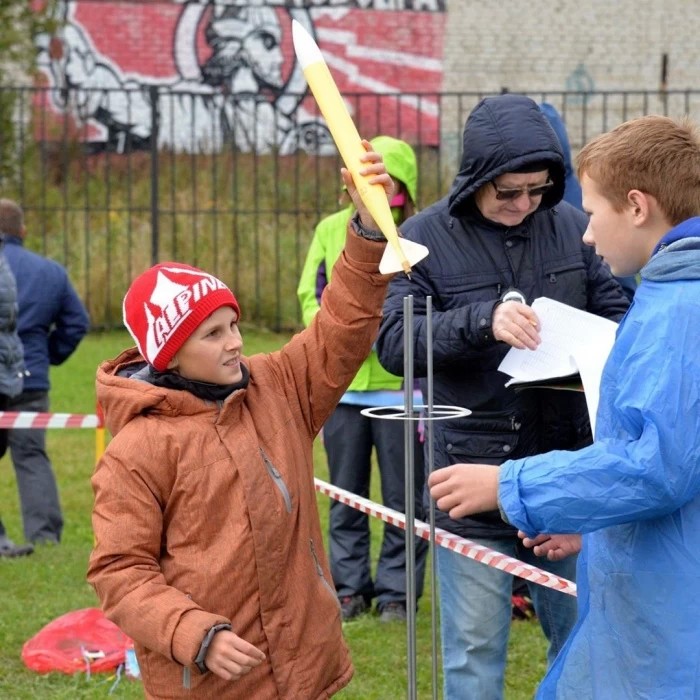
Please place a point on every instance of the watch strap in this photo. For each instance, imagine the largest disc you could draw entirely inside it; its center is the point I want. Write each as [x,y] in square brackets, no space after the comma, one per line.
[206,642]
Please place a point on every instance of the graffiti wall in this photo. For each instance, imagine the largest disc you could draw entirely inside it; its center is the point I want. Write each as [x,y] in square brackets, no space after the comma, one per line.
[199,76]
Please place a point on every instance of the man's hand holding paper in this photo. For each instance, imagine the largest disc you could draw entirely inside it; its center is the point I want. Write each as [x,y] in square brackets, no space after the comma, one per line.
[516,324]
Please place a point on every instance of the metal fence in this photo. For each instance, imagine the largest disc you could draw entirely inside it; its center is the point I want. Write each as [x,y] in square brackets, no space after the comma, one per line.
[112,181]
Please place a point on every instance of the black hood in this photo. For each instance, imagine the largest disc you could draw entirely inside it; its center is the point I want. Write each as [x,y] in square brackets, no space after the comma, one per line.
[504,134]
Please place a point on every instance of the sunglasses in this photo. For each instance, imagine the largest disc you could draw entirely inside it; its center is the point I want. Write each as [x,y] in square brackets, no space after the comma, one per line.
[515,192]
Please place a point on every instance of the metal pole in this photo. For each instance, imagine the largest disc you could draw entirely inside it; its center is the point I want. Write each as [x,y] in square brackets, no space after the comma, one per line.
[409,427]
[430,467]
[406,413]
[155,234]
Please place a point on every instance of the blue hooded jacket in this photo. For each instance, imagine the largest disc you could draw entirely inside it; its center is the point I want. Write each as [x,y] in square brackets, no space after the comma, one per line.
[572,189]
[635,496]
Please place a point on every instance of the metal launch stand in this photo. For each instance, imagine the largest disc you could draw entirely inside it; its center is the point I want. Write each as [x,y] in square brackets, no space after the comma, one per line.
[410,414]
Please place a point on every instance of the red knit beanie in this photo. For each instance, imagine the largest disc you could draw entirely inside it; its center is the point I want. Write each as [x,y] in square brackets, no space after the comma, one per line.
[166,304]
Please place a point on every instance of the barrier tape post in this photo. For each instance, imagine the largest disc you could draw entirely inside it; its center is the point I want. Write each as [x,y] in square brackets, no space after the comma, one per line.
[99,433]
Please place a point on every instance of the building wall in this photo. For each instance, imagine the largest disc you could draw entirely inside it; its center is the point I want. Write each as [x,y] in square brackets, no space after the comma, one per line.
[233,61]
[569,44]
[629,49]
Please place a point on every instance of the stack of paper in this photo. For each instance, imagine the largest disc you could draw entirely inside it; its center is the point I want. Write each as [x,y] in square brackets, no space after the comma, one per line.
[574,342]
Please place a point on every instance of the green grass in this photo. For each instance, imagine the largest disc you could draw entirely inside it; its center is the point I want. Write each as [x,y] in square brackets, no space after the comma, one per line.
[51,582]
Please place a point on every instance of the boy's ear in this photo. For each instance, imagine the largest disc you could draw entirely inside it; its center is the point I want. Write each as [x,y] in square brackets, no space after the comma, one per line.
[173,363]
[640,204]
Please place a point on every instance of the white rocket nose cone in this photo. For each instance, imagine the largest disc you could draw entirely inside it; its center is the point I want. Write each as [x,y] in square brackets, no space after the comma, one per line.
[305,47]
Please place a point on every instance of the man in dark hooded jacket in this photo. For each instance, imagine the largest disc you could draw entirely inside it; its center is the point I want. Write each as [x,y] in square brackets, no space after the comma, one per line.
[502,238]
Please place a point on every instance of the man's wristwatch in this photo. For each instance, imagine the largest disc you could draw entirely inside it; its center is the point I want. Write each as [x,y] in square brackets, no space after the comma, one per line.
[360,230]
[513,294]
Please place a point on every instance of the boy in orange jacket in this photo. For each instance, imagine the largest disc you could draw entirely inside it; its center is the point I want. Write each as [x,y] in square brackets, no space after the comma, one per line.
[208,550]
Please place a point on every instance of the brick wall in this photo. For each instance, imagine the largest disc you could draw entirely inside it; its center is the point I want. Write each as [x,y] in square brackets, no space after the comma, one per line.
[550,46]
[559,44]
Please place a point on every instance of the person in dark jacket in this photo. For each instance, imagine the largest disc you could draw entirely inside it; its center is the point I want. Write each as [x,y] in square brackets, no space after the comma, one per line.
[52,321]
[499,240]
[572,189]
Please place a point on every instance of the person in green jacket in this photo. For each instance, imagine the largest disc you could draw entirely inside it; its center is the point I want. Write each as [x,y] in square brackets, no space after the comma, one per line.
[349,437]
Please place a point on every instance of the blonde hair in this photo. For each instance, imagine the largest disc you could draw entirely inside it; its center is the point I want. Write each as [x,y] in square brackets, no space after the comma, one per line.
[657,155]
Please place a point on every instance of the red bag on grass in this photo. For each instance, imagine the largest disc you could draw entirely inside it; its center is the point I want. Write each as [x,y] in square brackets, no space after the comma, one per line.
[81,640]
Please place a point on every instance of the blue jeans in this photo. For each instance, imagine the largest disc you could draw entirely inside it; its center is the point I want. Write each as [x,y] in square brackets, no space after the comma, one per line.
[475,619]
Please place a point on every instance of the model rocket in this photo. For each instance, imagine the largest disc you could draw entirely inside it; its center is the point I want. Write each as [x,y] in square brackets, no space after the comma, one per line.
[400,254]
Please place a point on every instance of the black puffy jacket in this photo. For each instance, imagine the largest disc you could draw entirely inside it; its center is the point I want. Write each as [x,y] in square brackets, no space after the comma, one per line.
[472,261]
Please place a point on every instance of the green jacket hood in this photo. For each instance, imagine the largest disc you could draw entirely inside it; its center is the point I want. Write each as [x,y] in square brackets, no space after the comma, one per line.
[400,161]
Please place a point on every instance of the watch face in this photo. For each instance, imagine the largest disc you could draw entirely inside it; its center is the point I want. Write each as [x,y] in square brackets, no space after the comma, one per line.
[513,294]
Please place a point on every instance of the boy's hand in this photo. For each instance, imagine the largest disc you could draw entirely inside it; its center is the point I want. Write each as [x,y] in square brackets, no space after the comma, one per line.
[231,657]
[375,167]
[463,489]
[554,547]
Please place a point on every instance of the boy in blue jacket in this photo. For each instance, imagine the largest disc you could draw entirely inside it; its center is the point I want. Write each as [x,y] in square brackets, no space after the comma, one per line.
[634,494]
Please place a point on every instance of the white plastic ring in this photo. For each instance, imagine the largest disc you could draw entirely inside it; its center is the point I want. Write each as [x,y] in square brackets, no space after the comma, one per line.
[400,413]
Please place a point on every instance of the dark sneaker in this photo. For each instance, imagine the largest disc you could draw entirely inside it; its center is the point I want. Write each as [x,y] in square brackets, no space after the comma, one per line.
[522,608]
[393,611]
[352,605]
[9,549]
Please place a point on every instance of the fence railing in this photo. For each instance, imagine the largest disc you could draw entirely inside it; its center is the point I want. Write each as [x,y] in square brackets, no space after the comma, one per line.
[114,180]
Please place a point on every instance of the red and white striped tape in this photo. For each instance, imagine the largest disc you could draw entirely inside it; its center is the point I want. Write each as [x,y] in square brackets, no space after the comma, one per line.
[461,545]
[33,419]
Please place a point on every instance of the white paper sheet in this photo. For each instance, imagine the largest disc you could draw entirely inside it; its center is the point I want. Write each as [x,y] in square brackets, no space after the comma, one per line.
[572,341]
